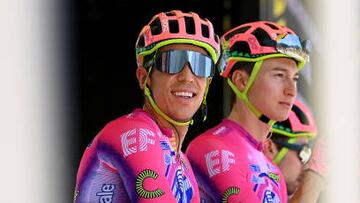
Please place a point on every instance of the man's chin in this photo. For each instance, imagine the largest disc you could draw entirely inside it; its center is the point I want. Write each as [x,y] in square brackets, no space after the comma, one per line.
[183,118]
[280,118]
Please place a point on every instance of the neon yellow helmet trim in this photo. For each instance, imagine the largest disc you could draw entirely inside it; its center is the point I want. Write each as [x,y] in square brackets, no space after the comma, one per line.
[208,81]
[300,64]
[288,134]
[283,151]
[213,54]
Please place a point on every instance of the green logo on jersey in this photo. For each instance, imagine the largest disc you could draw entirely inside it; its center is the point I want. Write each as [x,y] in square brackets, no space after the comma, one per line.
[141,191]
[228,192]
[274,176]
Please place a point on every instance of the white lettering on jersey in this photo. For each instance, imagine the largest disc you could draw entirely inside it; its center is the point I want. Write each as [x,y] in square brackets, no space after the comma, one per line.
[213,163]
[220,130]
[128,141]
[145,140]
[106,194]
[136,140]
[227,159]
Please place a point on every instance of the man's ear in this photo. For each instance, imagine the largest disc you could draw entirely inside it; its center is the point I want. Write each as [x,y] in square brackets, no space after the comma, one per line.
[269,148]
[141,74]
[240,78]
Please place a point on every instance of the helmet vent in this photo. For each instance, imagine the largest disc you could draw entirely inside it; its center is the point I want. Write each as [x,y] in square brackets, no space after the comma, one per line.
[216,38]
[141,41]
[261,36]
[301,115]
[155,27]
[272,26]
[237,31]
[240,47]
[190,25]
[173,26]
[205,30]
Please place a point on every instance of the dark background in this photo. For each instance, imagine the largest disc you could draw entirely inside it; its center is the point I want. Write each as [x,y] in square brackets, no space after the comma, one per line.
[104,35]
[102,55]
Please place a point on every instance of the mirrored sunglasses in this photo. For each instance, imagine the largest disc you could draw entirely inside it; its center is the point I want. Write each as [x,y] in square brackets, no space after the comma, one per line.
[173,62]
[292,46]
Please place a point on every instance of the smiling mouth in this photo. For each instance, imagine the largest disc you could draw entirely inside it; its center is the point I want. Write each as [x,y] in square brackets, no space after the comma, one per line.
[187,95]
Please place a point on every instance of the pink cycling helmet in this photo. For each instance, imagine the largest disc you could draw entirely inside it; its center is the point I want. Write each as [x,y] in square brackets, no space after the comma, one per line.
[255,41]
[177,27]
[299,123]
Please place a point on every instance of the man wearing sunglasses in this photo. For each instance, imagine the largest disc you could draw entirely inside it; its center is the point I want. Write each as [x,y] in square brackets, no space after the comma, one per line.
[260,61]
[288,145]
[137,157]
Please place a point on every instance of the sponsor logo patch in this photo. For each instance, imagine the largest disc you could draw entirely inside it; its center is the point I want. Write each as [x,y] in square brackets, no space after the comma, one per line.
[136,140]
[218,161]
[107,193]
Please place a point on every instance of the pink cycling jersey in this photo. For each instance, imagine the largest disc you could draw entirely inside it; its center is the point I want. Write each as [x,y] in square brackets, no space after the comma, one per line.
[230,167]
[134,160]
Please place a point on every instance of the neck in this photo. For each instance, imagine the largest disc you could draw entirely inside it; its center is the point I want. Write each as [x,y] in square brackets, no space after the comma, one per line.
[242,115]
[178,131]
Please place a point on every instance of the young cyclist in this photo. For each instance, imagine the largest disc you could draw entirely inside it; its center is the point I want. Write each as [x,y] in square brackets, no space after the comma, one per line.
[137,157]
[289,147]
[312,184]
[260,61]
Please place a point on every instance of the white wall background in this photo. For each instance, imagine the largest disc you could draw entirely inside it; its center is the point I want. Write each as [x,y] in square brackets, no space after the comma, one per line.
[33,155]
[338,101]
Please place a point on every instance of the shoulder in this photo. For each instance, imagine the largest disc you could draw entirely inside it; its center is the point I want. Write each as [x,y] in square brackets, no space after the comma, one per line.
[222,139]
[131,137]
[212,138]
[136,124]
[137,118]
[207,142]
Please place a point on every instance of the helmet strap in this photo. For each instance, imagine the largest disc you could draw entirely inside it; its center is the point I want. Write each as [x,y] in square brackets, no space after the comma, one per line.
[279,156]
[244,95]
[204,108]
[147,93]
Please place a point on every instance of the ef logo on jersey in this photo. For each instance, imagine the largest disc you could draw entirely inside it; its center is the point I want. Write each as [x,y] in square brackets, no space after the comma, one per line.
[136,140]
[218,161]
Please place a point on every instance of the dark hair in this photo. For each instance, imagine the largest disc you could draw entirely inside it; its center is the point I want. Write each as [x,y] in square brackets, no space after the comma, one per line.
[247,67]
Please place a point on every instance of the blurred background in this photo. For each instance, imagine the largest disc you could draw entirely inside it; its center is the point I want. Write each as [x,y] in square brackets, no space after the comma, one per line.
[67,68]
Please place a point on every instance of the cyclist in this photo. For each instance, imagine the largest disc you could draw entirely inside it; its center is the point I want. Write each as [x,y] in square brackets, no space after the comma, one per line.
[312,184]
[289,147]
[137,157]
[260,61]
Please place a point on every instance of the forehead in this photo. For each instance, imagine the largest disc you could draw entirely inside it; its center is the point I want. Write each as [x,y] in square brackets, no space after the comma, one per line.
[183,47]
[281,64]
